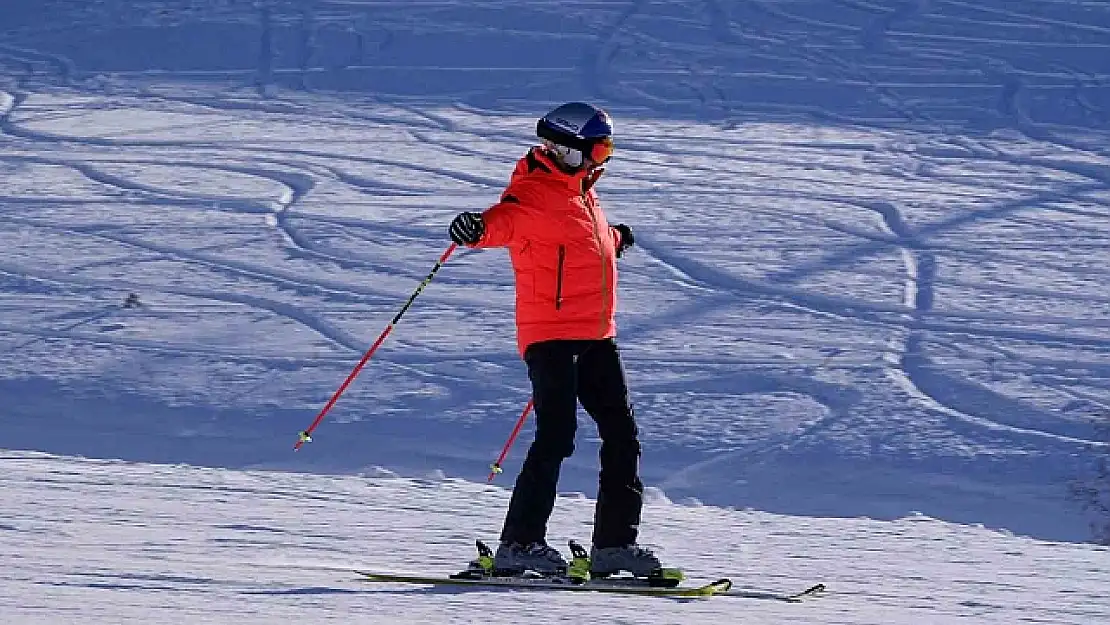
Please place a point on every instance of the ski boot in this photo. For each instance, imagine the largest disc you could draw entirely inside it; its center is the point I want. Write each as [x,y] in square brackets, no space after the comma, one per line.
[641,563]
[537,557]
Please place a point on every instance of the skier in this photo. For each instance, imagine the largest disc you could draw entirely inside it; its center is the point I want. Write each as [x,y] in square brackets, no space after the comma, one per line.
[564,253]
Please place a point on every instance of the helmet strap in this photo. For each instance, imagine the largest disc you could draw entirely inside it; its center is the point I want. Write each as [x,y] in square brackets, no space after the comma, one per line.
[591,178]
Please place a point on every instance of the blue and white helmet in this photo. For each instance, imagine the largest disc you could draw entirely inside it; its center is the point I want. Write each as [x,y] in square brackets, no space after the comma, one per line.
[576,131]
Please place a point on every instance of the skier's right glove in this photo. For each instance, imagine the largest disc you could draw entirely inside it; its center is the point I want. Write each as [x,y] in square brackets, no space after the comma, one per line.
[627,240]
[467,228]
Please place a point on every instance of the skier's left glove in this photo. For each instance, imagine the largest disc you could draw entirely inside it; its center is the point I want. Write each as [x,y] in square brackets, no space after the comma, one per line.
[627,240]
[467,228]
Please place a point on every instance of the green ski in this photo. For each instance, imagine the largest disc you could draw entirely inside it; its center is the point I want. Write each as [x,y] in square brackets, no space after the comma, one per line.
[554,583]
[664,582]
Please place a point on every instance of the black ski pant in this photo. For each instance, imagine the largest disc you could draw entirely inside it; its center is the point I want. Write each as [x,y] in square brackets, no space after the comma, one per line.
[563,373]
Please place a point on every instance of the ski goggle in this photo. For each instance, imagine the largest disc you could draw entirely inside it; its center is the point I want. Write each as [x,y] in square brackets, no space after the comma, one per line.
[601,150]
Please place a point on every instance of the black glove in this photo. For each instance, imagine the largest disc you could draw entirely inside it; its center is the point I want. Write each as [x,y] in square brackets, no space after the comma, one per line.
[467,228]
[627,240]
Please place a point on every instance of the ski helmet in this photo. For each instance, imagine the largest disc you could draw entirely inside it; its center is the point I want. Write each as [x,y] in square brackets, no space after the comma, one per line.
[578,130]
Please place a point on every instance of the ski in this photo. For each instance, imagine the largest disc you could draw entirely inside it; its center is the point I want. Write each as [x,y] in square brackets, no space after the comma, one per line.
[798,597]
[555,583]
[719,588]
[663,582]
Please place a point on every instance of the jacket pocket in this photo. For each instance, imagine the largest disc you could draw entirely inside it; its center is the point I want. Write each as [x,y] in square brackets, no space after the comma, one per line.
[559,277]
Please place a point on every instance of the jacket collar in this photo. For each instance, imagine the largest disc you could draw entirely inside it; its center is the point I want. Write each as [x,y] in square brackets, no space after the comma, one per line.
[538,160]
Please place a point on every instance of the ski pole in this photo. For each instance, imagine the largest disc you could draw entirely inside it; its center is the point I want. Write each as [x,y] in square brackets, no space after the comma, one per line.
[495,468]
[306,435]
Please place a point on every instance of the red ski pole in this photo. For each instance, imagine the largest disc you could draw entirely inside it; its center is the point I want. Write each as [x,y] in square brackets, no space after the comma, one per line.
[495,468]
[306,435]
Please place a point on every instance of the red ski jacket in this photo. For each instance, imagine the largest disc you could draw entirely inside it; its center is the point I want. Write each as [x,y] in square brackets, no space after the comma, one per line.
[563,252]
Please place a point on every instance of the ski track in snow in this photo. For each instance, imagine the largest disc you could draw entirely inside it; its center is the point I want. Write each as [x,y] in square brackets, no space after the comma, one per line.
[355,206]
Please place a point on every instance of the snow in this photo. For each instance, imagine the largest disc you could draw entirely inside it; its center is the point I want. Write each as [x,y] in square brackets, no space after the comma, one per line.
[111,541]
[865,323]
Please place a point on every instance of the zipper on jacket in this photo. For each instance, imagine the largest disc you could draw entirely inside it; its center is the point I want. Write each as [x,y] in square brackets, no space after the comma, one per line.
[559,277]
[605,305]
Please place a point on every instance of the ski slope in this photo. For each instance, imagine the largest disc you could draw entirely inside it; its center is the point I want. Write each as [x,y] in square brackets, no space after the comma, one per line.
[114,542]
[867,309]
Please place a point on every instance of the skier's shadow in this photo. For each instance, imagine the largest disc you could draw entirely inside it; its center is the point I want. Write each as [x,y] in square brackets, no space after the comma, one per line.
[520,592]
[308,590]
